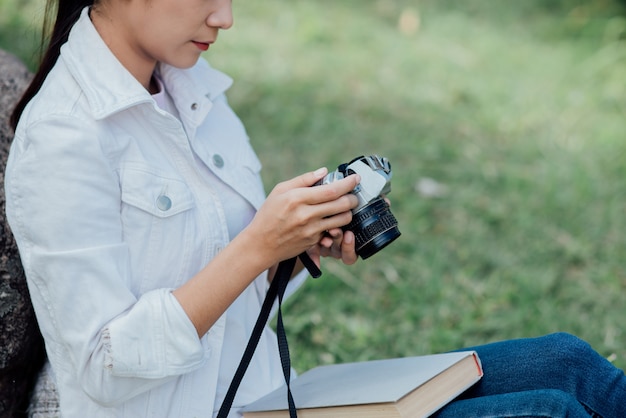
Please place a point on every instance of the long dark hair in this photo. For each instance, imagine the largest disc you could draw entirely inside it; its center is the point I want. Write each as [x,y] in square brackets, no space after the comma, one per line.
[67,13]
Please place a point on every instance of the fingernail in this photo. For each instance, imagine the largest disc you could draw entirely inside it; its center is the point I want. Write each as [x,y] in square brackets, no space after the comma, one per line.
[320,172]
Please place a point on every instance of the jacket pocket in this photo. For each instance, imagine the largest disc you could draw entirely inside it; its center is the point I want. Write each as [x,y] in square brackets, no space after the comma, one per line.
[158,195]
[158,216]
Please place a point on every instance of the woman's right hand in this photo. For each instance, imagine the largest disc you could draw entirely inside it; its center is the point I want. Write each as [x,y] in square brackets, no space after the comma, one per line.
[296,216]
[293,219]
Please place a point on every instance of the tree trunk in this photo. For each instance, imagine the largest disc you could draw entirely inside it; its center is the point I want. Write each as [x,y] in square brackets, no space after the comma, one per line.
[21,344]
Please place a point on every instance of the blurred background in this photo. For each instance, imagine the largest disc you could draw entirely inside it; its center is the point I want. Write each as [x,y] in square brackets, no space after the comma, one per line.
[505,123]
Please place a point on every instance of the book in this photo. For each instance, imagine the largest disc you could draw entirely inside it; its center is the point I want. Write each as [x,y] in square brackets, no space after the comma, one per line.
[409,387]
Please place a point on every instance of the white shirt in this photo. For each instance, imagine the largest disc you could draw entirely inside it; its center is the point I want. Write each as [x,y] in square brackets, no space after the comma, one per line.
[108,199]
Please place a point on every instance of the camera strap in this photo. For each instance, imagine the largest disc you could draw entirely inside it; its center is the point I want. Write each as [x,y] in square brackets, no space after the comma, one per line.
[276,291]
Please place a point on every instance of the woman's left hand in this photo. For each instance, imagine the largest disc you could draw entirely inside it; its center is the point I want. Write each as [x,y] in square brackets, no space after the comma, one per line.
[336,243]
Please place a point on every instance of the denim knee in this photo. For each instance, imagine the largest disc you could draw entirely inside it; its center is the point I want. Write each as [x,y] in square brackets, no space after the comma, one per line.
[564,348]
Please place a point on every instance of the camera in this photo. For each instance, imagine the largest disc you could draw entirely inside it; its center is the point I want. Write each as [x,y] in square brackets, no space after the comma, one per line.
[373,224]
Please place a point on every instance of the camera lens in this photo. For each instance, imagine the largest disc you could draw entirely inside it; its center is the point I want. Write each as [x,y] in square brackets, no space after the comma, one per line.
[374,227]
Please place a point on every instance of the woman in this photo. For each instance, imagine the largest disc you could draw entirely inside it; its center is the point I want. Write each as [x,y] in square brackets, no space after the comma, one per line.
[148,269]
[148,243]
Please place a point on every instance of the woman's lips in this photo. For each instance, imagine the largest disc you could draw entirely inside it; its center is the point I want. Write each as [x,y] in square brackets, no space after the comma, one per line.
[201,45]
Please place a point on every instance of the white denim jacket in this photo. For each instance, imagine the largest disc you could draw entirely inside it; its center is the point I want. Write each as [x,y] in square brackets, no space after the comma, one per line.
[110,213]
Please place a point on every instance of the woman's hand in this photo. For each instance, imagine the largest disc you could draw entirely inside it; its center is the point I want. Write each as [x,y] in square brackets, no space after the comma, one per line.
[335,243]
[338,244]
[297,217]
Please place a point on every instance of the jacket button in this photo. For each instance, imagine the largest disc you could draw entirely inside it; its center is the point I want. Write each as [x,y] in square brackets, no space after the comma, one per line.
[218,161]
[194,106]
[164,203]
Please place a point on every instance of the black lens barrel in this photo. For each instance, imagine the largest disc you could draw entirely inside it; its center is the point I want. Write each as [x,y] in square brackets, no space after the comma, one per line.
[374,227]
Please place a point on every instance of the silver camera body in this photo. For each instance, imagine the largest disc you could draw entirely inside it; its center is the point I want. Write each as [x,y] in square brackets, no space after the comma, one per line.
[373,224]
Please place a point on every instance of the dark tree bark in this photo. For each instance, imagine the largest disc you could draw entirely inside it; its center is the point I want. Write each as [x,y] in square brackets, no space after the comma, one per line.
[21,344]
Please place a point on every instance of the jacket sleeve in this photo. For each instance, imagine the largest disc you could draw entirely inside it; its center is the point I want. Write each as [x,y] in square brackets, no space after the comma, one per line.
[63,206]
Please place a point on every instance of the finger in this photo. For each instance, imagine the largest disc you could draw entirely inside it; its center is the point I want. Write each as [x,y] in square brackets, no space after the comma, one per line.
[332,191]
[335,221]
[336,236]
[348,251]
[325,211]
[326,241]
[303,180]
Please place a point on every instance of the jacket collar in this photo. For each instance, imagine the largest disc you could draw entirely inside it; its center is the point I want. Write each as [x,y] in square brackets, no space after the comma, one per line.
[194,90]
[110,88]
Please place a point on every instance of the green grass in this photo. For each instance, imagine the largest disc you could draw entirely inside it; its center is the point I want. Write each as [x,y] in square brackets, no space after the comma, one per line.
[518,108]
[19,28]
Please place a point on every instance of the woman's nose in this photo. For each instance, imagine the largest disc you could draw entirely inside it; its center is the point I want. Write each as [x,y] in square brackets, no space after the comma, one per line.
[222,16]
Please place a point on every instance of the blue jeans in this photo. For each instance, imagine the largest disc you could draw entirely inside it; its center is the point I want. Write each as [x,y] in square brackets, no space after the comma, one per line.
[558,375]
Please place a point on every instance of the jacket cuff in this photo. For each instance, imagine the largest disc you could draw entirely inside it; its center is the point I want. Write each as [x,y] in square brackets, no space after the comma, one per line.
[154,339]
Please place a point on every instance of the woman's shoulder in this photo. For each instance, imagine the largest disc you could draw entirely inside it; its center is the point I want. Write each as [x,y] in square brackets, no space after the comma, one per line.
[59,97]
[57,118]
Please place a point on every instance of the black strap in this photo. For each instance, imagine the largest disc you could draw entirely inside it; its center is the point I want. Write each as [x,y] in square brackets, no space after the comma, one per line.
[276,290]
[283,347]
